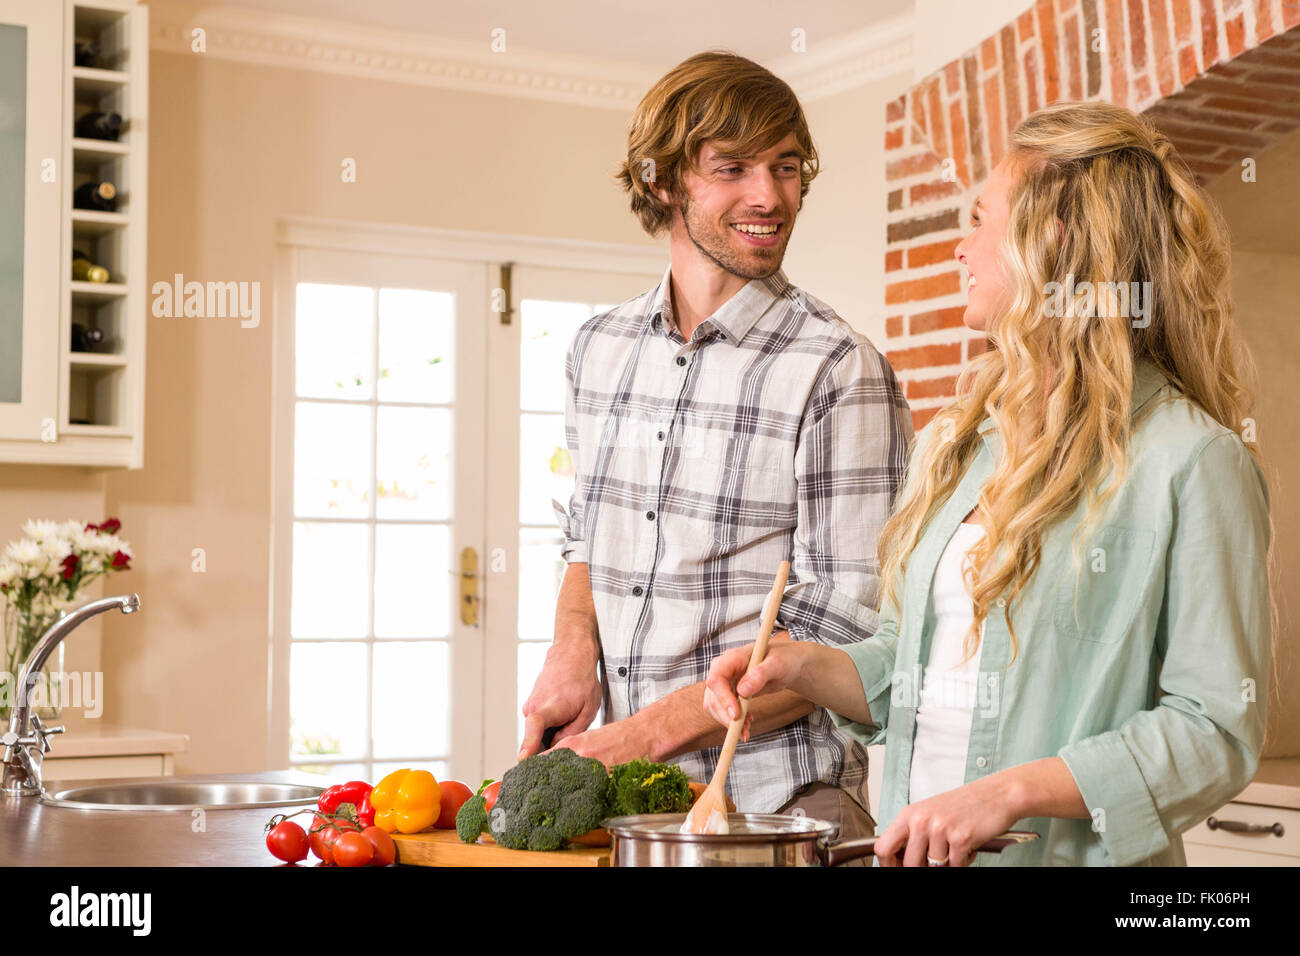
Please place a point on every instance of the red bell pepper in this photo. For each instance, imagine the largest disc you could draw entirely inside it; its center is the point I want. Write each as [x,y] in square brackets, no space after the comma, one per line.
[351,799]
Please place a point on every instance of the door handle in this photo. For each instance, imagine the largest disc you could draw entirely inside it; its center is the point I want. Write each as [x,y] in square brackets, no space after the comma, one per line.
[469,596]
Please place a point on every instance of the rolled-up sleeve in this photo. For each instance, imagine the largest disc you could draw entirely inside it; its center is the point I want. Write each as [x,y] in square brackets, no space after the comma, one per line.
[1163,770]
[874,660]
[571,522]
[849,463]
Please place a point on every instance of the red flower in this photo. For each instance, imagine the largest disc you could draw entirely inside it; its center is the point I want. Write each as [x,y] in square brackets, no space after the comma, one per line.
[70,566]
[111,526]
[120,561]
[92,527]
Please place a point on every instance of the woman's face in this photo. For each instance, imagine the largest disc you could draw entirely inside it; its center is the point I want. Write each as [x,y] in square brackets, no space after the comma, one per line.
[988,287]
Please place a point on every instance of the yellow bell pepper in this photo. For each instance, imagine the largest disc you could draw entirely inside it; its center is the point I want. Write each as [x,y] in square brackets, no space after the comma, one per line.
[406,801]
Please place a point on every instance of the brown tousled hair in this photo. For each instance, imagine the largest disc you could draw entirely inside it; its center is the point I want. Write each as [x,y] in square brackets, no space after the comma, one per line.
[711,96]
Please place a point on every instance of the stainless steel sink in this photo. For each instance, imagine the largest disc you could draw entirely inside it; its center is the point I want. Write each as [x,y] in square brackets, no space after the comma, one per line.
[172,794]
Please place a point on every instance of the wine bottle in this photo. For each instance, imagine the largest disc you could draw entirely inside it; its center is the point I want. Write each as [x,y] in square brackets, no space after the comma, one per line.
[99,126]
[86,53]
[99,196]
[85,270]
[85,337]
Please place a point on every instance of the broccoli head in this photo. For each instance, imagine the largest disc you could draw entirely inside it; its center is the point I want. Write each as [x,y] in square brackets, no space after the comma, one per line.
[643,786]
[548,799]
[472,819]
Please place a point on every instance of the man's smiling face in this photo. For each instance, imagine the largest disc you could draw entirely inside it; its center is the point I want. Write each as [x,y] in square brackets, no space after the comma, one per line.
[739,211]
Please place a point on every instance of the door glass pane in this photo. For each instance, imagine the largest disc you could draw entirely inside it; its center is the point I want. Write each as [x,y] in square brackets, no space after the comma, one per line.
[545,332]
[531,657]
[541,570]
[327,703]
[412,695]
[334,341]
[13,204]
[415,345]
[412,580]
[414,468]
[331,453]
[329,580]
[545,468]
[332,773]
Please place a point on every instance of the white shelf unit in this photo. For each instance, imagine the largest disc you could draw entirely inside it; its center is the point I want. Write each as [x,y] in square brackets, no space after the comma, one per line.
[101,393]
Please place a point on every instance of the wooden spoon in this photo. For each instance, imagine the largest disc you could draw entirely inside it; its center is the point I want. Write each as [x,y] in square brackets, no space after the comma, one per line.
[709,813]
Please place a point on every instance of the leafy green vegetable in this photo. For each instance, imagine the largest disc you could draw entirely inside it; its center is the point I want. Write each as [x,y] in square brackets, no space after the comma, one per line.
[643,786]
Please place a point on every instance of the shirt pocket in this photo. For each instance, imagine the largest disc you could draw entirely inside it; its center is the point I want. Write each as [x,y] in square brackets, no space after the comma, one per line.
[1099,603]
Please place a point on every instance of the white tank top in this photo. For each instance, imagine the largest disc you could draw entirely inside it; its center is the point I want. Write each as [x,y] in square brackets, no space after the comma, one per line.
[948,687]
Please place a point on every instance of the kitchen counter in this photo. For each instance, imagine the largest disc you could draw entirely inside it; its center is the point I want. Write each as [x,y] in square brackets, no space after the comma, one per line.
[109,741]
[33,833]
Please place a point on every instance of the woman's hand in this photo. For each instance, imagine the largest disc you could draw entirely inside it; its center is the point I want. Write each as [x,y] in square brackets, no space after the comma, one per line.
[727,679]
[948,826]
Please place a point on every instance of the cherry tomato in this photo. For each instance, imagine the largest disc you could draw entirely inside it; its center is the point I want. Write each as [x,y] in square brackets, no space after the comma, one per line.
[454,793]
[353,849]
[287,841]
[490,795]
[322,838]
[385,849]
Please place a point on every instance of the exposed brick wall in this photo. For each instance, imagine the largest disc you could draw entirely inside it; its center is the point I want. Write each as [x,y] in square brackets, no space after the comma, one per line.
[1220,77]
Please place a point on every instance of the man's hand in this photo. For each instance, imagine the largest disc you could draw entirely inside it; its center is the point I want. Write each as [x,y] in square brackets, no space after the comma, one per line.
[567,696]
[611,744]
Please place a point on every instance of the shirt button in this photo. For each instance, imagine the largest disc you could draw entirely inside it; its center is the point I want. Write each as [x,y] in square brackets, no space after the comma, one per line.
[650,516]
[993,680]
[681,360]
[637,591]
[622,672]
[1002,602]
[660,436]
[979,761]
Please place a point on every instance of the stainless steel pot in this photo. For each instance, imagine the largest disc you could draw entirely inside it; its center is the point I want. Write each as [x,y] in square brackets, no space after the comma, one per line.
[755,839]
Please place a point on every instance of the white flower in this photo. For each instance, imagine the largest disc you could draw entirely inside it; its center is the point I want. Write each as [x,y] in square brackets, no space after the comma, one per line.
[55,548]
[40,530]
[23,552]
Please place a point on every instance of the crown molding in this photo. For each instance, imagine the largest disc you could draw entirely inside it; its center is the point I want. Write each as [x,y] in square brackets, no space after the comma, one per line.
[852,60]
[251,35]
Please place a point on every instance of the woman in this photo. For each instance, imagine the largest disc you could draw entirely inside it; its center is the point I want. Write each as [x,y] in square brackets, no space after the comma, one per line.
[1075,626]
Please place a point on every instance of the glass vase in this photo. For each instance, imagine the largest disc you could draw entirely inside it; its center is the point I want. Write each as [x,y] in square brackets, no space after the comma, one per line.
[22,630]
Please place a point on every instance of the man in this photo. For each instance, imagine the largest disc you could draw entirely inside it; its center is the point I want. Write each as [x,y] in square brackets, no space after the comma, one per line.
[719,424]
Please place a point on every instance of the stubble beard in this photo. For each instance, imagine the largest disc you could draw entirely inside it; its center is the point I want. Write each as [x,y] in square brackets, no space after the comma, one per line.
[717,249]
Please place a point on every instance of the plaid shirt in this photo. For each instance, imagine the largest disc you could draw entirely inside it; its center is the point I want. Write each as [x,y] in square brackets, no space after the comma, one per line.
[777,433]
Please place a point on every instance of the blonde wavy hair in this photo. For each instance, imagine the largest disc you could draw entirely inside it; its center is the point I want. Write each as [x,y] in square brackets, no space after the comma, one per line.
[1058,387]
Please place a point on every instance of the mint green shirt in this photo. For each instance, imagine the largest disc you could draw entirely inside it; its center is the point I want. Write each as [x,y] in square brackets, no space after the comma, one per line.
[1154,694]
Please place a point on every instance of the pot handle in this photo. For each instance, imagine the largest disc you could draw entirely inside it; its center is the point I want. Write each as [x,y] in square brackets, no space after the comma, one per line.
[856,849]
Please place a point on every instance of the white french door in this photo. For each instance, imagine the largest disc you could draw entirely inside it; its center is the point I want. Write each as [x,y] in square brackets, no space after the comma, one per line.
[528,466]
[380,372]
[415,426]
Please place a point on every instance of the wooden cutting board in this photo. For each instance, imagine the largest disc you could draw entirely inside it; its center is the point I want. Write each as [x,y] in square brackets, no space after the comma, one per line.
[444,848]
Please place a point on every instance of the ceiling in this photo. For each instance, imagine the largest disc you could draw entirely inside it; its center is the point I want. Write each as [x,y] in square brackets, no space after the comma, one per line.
[634,32]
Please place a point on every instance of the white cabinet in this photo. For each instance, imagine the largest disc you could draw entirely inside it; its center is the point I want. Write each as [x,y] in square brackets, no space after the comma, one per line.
[65,399]
[1260,827]
[100,753]
[31,137]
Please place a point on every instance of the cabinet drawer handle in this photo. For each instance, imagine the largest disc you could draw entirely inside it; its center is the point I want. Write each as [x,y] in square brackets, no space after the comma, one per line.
[1236,826]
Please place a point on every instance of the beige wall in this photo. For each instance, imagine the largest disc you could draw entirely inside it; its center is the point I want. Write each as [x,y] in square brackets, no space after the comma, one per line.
[837,250]
[232,147]
[1262,217]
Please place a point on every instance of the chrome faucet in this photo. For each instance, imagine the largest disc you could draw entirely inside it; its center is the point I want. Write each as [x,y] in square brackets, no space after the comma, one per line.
[25,742]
